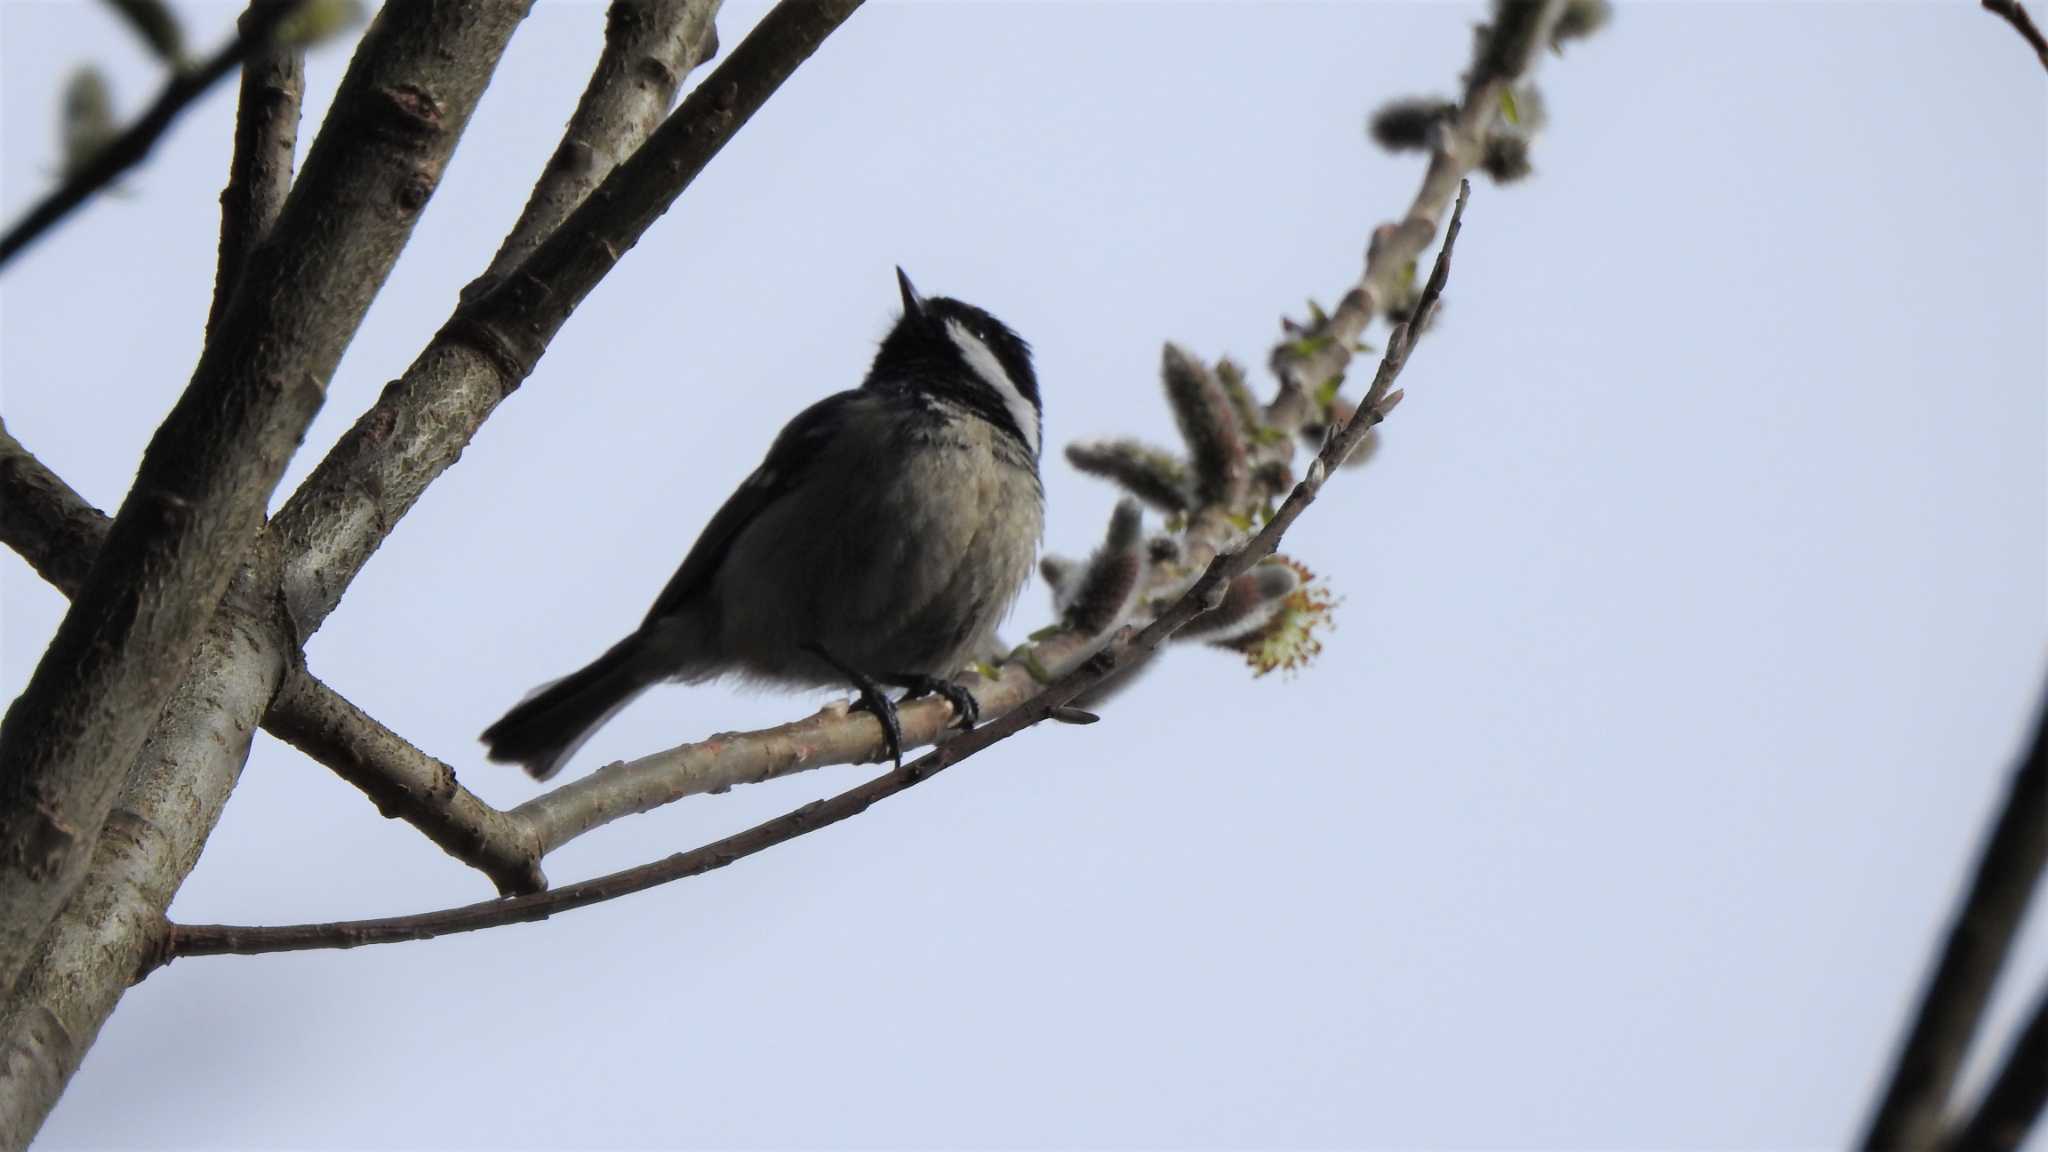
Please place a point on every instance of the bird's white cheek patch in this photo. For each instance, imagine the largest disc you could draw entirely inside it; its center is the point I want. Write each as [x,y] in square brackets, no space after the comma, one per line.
[990,369]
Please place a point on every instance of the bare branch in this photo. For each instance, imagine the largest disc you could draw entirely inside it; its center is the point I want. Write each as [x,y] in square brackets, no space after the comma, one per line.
[2016,15]
[831,736]
[260,173]
[200,493]
[126,150]
[1321,351]
[1924,1075]
[405,782]
[421,424]
[649,46]
[218,939]
[59,533]
[43,520]
[2013,1103]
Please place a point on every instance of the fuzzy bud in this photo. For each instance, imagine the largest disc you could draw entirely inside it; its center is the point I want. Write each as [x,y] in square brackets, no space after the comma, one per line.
[1247,605]
[1102,596]
[1153,475]
[1506,157]
[1215,443]
[158,27]
[1410,123]
[1580,19]
[88,118]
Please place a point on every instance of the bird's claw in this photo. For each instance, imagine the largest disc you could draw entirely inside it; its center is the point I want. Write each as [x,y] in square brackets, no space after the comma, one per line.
[966,709]
[874,699]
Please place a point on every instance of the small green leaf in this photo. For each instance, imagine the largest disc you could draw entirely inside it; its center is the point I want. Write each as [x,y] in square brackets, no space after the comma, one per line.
[1031,664]
[1308,346]
[1507,106]
[1047,632]
[1327,391]
[1316,315]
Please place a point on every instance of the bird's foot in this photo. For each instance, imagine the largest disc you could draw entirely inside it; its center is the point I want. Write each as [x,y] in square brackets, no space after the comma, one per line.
[873,698]
[966,709]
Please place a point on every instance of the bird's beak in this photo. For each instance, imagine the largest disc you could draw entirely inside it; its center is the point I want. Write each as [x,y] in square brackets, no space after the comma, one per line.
[913,304]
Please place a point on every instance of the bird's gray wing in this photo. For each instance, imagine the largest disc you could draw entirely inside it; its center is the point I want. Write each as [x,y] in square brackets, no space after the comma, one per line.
[789,458]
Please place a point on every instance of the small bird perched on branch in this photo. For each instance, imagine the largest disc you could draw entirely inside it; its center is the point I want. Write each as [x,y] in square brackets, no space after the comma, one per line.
[879,545]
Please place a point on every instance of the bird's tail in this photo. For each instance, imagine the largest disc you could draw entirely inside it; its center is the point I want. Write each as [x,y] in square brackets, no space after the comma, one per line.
[542,731]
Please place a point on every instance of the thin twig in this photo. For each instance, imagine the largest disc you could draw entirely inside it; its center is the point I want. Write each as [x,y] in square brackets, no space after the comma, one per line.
[2012,1105]
[2016,15]
[58,532]
[260,172]
[1924,1075]
[126,150]
[219,939]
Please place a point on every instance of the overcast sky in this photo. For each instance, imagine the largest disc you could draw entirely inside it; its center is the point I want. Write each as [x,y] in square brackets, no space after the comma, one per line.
[1691,615]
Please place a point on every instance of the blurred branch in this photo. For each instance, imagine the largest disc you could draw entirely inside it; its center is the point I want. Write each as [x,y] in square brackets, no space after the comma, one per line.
[260,172]
[58,533]
[1205,593]
[2008,868]
[2012,1105]
[2016,15]
[649,46]
[126,150]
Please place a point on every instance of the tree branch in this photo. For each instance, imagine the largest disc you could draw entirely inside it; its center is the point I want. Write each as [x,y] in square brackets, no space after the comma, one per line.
[126,150]
[420,425]
[1506,51]
[1204,594]
[1923,1077]
[405,782]
[200,493]
[58,533]
[649,47]
[167,809]
[2016,15]
[260,172]
[2012,1105]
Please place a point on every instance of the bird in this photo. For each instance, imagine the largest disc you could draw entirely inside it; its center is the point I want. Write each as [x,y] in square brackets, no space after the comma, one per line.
[879,545]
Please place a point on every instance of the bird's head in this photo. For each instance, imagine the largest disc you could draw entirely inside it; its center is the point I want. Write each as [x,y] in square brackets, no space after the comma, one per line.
[957,352]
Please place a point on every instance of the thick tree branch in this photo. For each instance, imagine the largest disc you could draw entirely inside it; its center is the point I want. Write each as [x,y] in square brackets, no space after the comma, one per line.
[1323,349]
[260,172]
[200,493]
[2012,1105]
[2016,15]
[126,150]
[166,811]
[649,47]
[2008,869]
[1204,594]
[58,533]
[421,424]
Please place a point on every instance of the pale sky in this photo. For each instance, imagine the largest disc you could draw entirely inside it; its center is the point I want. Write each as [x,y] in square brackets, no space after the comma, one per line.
[1691,618]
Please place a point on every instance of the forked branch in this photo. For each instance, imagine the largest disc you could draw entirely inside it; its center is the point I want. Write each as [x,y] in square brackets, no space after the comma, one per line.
[1204,594]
